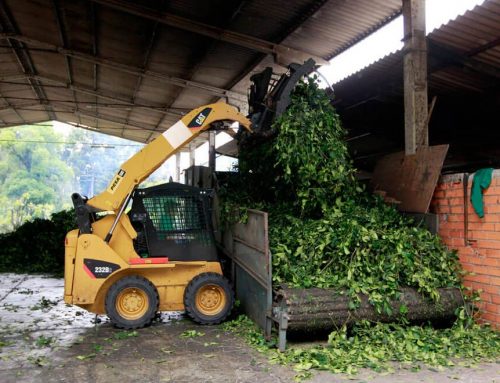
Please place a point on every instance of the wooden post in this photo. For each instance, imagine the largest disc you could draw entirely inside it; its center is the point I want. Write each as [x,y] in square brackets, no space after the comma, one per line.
[415,76]
[211,151]
[177,167]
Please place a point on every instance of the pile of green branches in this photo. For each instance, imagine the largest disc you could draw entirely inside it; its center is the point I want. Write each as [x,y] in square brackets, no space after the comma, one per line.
[325,229]
[37,246]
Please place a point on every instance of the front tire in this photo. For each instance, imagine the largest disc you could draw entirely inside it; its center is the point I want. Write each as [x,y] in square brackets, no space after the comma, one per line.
[208,298]
[132,302]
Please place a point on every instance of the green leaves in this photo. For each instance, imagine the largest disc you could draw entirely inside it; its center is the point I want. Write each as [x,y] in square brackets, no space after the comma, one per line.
[325,230]
[37,246]
[192,334]
[377,346]
[125,335]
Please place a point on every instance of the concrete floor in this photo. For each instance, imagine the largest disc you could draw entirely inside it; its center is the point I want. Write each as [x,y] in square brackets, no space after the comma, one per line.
[43,340]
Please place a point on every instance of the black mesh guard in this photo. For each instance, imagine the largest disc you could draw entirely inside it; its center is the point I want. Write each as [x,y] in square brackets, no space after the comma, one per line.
[173,220]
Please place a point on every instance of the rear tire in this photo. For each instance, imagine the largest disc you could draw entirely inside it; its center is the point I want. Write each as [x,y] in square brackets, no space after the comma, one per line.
[208,298]
[132,302]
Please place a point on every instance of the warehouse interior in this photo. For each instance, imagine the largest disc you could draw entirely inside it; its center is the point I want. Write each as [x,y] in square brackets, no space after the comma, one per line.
[419,123]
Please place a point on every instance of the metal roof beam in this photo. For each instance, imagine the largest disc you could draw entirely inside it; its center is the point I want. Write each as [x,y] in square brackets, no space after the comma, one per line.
[103,117]
[64,41]
[93,30]
[22,55]
[150,45]
[125,68]
[115,97]
[451,56]
[283,55]
[93,27]
[10,106]
[201,56]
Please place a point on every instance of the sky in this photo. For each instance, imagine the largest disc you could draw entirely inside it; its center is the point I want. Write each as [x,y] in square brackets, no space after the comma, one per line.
[388,39]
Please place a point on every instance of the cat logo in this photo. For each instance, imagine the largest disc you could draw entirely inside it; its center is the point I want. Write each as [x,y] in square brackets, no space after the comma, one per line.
[200,118]
[116,181]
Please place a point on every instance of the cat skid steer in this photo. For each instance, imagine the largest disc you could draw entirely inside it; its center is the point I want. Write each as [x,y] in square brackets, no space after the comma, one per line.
[159,256]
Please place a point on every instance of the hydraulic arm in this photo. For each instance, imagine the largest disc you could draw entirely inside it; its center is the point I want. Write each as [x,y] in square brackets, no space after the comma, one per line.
[137,168]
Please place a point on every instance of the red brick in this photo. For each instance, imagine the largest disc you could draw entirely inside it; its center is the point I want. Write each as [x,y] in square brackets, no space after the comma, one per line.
[455,243]
[495,309]
[454,225]
[491,289]
[487,262]
[456,201]
[474,285]
[495,281]
[491,318]
[485,279]
[454,218]
[490,218]
[479,234]
[472,217]
[494,271]
[457,233]
[480,268]
[495,298]
[483,226]
[466,250]
[487,244]
[491,209]
[475,260]
[492,253]
[486,297]
[443,209]
[491,199]
[438,193]
[454,193]
[457,209]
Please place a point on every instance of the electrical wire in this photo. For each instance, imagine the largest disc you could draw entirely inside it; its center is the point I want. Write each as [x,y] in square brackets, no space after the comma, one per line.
[71,143]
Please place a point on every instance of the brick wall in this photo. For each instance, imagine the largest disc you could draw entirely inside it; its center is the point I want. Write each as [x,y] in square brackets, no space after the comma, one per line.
[479,251]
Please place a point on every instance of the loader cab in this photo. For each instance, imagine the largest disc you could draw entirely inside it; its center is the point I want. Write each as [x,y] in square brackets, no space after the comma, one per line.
[173,220]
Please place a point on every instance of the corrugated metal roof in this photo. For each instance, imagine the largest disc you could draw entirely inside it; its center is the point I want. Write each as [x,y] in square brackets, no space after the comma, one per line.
[110,65]
[464,57]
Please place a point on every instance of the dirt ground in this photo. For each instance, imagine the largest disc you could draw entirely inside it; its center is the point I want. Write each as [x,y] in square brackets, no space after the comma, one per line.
[43,340]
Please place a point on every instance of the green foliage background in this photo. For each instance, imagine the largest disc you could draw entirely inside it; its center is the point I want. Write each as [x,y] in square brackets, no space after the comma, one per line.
[37,246]
[38,172]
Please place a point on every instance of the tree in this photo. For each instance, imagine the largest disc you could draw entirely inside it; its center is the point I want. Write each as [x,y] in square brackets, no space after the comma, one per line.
[34,180]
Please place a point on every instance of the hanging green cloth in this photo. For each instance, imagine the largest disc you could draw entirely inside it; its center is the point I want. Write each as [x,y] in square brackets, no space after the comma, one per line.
[482,179]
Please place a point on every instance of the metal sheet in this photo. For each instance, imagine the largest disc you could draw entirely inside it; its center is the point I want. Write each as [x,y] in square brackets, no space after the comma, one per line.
[248,247]
[410,179]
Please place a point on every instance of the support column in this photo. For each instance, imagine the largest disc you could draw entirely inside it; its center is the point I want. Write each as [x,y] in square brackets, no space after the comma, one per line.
[415,76]
[211,151]
[177,167]
[192,155]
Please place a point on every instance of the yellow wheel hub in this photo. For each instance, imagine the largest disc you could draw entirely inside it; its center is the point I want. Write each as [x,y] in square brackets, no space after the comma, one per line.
[210,299]
[132,303]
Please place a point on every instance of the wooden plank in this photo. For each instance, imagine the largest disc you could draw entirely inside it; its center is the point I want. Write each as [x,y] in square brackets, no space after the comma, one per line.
[410,179]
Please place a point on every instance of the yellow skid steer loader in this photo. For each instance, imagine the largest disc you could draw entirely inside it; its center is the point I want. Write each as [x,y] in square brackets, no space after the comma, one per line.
[160,255]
